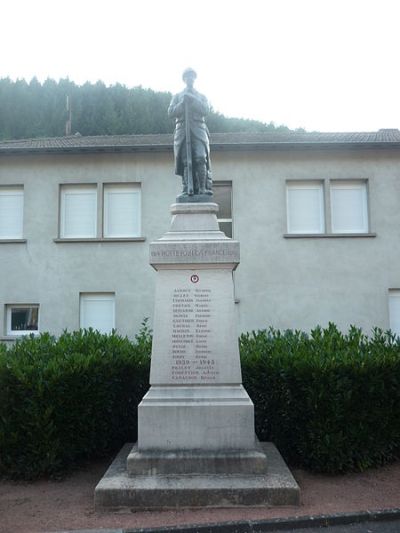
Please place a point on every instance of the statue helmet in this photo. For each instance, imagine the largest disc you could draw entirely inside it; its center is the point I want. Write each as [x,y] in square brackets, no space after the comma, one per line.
[189,71]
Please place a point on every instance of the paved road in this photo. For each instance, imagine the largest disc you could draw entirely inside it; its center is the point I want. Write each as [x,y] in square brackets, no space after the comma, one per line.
[392,526]
[384,526]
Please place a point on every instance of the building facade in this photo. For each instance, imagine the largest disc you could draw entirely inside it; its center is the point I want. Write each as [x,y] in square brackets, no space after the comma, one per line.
[317,217]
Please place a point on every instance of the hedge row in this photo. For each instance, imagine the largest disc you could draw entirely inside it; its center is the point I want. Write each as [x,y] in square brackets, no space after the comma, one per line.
[331,402]
[67,400]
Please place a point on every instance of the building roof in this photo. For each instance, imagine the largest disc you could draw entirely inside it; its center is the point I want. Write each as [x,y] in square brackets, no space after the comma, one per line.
[384,138]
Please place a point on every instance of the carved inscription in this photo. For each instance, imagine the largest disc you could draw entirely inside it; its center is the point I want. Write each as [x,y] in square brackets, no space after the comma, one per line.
[201,252]
[192,357]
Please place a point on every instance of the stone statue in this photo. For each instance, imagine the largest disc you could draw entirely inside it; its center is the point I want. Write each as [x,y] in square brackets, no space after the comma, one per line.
[191,141]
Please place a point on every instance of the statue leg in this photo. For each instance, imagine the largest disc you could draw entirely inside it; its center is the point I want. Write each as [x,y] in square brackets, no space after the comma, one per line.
[184,184]
[200,161]
[201,173]
[184,175]
[209,183]
[196,181]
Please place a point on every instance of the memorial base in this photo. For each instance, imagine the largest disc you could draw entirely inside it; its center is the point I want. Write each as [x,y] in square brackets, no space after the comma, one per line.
[195,462]
[119,491]
[196,417]
[196,440]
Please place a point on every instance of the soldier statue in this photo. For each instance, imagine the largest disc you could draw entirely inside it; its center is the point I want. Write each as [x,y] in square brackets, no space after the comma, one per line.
[191,141]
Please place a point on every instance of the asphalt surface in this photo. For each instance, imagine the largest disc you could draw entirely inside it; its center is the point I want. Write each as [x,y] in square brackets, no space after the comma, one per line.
[379,522]
[366,527]
[383,527]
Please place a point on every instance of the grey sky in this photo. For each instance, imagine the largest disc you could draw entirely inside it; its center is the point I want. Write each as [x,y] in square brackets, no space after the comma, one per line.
[329,65]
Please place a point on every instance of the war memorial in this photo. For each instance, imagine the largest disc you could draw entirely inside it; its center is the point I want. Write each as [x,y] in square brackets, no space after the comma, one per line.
[196,440]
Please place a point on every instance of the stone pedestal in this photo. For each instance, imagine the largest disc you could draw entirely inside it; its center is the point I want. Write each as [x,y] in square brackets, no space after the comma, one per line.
[196,423]
[196,399]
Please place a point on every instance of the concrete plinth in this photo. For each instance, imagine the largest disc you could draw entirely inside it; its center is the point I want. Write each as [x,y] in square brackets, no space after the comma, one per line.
[196,461]
[118,491]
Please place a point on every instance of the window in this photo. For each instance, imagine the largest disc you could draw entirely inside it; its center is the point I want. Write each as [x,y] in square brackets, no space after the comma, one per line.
[122,210]
[78,216]
[222,191]
[349,206]
[97,311]
[11,212]
[348,213]
[22,319]
[394,310]
[305,207]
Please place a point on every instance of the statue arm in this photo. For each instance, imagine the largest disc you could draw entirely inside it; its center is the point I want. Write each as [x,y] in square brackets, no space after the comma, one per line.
[177,107]
[200,104]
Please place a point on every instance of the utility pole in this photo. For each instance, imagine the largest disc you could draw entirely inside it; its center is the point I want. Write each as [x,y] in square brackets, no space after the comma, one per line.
[69,119]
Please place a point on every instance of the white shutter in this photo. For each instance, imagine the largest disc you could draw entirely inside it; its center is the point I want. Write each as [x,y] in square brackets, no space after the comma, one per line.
[394,311]
[122,210]
[97,311]
[349,207]
[78,211]
[305,207]
[11,212]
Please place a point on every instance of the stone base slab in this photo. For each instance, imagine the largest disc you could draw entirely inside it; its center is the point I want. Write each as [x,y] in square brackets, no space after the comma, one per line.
[196,462]
[194,198]
[117,490]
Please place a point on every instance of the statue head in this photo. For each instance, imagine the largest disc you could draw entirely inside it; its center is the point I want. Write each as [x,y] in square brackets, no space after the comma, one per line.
[188,76]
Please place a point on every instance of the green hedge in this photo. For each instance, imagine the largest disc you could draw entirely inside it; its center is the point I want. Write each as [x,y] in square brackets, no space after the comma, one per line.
[330,402]
[63,401]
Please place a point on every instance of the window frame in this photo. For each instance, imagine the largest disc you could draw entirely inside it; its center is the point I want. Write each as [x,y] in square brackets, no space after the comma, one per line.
[315,184]
[97,295]
[361,184]
[3,192]
[21,332]
[133,186]
[327,205]
[392,295]
[99,216]
[225,183]
[63,188]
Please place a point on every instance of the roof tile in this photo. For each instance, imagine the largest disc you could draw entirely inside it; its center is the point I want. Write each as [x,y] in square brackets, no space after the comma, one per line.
[106,143]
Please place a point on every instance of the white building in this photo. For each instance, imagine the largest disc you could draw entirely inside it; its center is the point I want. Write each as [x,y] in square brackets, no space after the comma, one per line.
[317,216]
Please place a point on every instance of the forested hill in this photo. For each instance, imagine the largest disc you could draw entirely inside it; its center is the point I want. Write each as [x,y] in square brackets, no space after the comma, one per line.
[34,109]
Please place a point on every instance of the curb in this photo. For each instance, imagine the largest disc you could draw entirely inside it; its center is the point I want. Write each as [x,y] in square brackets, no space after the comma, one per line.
[260,526]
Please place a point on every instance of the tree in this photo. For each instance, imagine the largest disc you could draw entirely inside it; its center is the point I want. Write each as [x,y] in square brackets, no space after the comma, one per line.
[37,109]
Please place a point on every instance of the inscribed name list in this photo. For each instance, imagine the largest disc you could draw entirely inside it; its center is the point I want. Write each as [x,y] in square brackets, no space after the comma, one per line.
[194,338]
[192,356]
